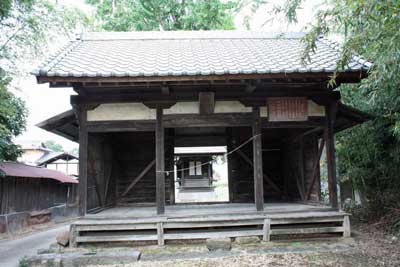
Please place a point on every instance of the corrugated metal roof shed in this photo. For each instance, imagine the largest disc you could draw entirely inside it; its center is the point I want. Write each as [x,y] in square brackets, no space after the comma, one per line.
[15,169]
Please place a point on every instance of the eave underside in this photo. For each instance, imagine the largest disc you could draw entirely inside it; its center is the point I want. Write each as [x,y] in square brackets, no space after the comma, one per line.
[143,81]
[67,125]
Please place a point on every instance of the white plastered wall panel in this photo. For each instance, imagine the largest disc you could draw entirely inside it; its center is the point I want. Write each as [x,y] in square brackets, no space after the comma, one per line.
[264,112]
[138,111]
[183,108]
[121,111]
[231,107]
[315,110]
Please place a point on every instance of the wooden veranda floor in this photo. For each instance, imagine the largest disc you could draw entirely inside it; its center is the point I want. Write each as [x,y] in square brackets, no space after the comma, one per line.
[201,221]
[190,210]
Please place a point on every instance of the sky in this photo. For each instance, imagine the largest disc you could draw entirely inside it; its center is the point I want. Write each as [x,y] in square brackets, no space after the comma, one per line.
[44,102]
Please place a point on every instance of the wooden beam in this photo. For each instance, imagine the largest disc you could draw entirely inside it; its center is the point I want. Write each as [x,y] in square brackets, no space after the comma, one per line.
[170,164]
[330,111]
[165,90]
[298,137]
[72,236]
[315,169]
[160,234]
[107,169]
[137,178]
[229,147]
[226,94]
[96,185]
[346,226]
[300,161]
[354,76]
[196,120]
[249,89]
[83,160]
[206,103]
[160,163]
[159,103]
[265,176]
[202,140]
[267,230]
[257,160]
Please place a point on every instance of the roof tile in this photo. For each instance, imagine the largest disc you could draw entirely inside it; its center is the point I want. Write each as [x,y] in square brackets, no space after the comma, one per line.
[133,54]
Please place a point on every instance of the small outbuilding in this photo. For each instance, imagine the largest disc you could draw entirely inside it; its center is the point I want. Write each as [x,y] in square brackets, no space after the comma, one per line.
[195,172]
[28,193]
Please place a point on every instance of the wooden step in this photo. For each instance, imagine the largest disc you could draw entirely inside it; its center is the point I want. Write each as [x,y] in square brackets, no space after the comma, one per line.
[315,230]
[114,238]
[203,227]
[217,234]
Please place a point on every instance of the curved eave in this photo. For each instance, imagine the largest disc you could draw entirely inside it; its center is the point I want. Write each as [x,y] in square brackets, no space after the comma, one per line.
[63,124]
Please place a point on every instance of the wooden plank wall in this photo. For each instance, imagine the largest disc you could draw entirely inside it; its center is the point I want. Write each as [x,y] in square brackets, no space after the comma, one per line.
[169,165]
[32,194]
[102,172]
[311,154]
[114,160]
[298,163]
[240,173]
[132,152]
[95,173]
[120,157]
[282,161]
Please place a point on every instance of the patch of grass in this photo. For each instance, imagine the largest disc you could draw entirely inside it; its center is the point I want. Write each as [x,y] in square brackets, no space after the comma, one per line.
[296,244]
[313,258]
[23,262]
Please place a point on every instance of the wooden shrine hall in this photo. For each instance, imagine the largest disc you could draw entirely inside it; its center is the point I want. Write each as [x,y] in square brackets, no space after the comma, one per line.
[140,94]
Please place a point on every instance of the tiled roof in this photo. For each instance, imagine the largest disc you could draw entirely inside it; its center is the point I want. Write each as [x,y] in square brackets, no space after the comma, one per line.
[191,53]
[53,156]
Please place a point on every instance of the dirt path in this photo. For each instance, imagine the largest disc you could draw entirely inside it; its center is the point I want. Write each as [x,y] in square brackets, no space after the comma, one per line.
[12,250]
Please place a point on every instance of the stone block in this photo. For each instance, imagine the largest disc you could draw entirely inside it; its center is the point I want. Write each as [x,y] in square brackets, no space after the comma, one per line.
[63,238]
[244,240]
[72,259]
[46,251]
[218,244]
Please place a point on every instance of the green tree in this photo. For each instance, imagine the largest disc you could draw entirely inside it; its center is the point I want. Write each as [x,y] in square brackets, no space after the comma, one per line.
[50,144]
[145,15]
[369,154]
[26,26]
[12,122]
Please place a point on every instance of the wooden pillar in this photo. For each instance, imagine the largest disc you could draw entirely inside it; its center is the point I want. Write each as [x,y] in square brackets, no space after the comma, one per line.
[170,165]
[229,159]
[330,111]
[257,160]
[267,230]
[83,157]
[160,163]
[210,173]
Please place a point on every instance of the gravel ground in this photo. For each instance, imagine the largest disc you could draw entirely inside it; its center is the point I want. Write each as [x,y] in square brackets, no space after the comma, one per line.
[370,247]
